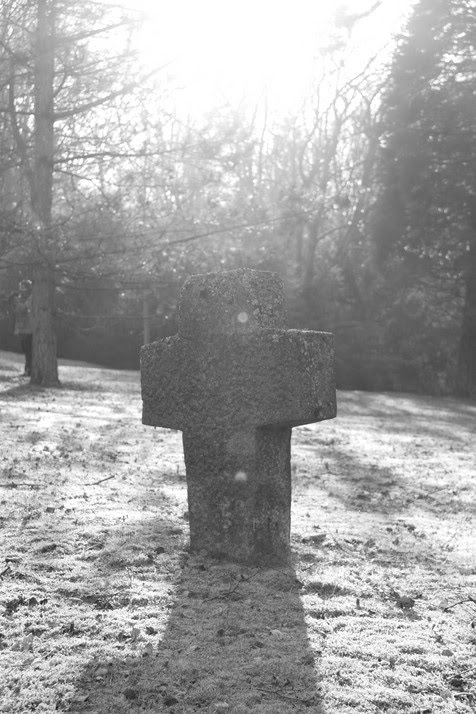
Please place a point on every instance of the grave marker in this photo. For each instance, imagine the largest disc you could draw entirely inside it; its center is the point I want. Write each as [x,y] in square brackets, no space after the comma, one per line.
[235,382]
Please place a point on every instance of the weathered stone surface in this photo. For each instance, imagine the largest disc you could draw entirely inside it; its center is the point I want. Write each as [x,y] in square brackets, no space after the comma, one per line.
[237,301]
[269,377]
[236,382]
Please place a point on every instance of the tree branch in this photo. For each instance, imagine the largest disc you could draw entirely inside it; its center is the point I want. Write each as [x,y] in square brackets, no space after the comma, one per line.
[17,135]
[107,98]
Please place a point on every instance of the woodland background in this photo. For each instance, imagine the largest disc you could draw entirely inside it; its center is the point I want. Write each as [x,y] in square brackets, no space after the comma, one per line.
[363,197]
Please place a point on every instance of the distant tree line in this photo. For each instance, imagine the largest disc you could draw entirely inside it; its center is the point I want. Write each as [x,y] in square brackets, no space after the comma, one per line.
[364,198]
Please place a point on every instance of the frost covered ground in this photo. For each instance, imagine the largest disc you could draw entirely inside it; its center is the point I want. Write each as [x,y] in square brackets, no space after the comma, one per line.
[102,609]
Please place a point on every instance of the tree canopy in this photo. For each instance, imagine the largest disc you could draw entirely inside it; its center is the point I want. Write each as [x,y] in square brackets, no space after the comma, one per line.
[362,196]
[424,221]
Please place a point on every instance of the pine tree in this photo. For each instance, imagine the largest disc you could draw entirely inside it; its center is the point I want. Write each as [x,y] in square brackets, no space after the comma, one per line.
[424,218]
[59,80]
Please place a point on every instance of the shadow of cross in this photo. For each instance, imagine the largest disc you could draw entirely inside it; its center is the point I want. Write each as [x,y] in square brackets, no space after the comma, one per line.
[235,382]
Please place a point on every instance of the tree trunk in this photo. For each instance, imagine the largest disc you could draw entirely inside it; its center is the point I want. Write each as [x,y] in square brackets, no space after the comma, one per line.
[44,369]
[45,364]
[310,254]
[466,377]
[146,317]
[299,247]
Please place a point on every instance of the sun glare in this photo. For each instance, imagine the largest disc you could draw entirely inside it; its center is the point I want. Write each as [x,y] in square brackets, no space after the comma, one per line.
[224,50]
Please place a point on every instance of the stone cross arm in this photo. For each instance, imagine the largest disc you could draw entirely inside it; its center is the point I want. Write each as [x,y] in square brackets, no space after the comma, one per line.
[267,378]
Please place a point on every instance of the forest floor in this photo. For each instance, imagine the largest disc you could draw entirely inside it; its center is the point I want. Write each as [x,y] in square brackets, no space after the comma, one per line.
[102,608]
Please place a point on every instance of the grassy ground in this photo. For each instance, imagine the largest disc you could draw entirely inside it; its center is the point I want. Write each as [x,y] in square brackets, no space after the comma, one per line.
[102,609]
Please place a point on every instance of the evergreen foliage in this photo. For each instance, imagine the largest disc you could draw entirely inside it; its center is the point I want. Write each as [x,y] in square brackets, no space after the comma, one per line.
[423,223]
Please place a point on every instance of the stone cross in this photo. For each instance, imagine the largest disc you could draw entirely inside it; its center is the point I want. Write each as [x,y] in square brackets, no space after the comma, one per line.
[235,382]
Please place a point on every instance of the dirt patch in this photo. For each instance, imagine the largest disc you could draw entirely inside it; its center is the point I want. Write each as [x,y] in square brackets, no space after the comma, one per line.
[102,609]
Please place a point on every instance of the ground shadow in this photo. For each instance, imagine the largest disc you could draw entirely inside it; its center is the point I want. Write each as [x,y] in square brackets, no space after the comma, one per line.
[18,389]
[412,414]
[418,441]
[380,489]
[242,628]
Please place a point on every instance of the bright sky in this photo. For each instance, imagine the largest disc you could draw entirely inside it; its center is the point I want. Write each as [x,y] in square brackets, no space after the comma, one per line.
[235,49]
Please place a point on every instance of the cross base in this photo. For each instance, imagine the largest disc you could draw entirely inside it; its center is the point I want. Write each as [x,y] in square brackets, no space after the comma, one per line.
[239,493]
